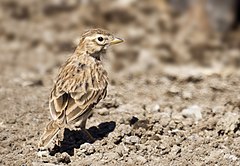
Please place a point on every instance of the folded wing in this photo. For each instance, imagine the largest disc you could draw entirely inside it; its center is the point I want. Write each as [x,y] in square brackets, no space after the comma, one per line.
[76,90]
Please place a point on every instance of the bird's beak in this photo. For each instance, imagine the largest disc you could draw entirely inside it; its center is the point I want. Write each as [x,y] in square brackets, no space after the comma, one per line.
[116,40]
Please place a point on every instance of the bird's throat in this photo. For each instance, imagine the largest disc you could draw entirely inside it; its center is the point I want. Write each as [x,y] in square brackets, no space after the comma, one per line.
[98,55]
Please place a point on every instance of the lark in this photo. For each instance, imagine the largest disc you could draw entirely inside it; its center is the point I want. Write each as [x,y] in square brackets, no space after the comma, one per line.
[81,83]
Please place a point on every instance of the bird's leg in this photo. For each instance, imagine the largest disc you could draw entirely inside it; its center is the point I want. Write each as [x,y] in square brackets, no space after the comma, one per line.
[83,128]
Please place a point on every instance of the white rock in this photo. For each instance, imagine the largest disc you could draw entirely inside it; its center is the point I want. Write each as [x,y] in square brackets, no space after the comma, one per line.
[230,157]
[174,90]
[141,159]
[131,139]
[44,164]
[218,109]
[193,112]
[103,111]
[156,108]
[42,153]
[186,95]
[87,148]
[229,122]
[124,129]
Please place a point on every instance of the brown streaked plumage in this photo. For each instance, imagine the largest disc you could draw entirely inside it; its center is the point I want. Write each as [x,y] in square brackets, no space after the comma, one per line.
[80,85]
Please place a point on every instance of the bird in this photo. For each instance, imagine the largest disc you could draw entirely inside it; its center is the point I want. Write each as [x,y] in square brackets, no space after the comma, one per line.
[80,84]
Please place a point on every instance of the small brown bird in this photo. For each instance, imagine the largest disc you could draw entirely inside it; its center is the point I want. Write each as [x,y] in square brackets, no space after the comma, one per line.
[80,85]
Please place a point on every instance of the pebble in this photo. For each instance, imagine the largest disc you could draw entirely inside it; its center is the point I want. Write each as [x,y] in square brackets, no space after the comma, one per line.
[122,149]
[43,164]
[175,149]
[218,109]
[193,112]
[229,123]
[174,90]
[111,155]
[103,111]
[131,140]
[141,159]
[42,153]
[156,117]
[156,108]
[63,157]
[230,157]
[114,137]
[124,129]
[87,148]
[186,95]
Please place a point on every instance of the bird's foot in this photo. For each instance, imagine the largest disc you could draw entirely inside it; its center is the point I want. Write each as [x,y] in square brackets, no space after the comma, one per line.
[90,138]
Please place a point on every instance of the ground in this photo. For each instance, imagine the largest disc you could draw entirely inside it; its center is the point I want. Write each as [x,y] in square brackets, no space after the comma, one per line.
[173,97]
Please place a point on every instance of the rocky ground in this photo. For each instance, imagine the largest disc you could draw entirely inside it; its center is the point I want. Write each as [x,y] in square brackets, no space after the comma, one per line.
[174,95]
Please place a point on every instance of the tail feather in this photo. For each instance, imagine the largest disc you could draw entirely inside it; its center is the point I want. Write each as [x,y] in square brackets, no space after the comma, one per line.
[49,134]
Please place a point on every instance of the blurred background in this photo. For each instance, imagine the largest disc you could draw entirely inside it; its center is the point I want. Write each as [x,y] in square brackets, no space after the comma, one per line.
[36,36]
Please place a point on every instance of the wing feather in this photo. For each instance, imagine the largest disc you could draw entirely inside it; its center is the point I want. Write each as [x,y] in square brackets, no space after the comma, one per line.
[76,90]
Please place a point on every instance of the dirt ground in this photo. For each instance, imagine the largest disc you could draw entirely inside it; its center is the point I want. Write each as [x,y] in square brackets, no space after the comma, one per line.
[174,95]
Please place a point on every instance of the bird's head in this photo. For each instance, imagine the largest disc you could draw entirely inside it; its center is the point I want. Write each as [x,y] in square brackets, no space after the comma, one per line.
[96,41]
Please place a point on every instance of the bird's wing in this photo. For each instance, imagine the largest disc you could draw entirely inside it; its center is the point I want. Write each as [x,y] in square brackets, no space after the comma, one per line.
[77,88]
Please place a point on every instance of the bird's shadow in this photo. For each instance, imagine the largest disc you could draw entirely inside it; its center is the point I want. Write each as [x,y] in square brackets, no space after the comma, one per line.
[75,138]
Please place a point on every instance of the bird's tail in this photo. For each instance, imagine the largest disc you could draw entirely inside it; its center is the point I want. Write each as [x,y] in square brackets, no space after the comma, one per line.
[50,132]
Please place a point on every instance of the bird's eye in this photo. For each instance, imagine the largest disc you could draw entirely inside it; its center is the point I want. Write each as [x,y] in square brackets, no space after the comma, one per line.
[100,39]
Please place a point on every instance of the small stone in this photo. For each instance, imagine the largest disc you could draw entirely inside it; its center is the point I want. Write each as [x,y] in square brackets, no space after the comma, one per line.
[174,90]
[149,133]
[157,128]
[42,153]
[229,123]
[165,119]
[157,117]
[87,148]
[111,155]
[186,95]
[156,108]
[218,87]
[122,149]
[174,131]
[63,158]
[143,140]
[141,159]
[193,112]
[129,160]
[176,116]
[175,149]
[131,140]
[218,109]
[43,164]
[141,124]
[124,129]
[230,157]
[115,137]
[155,137]
[141,147]
[103,111]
